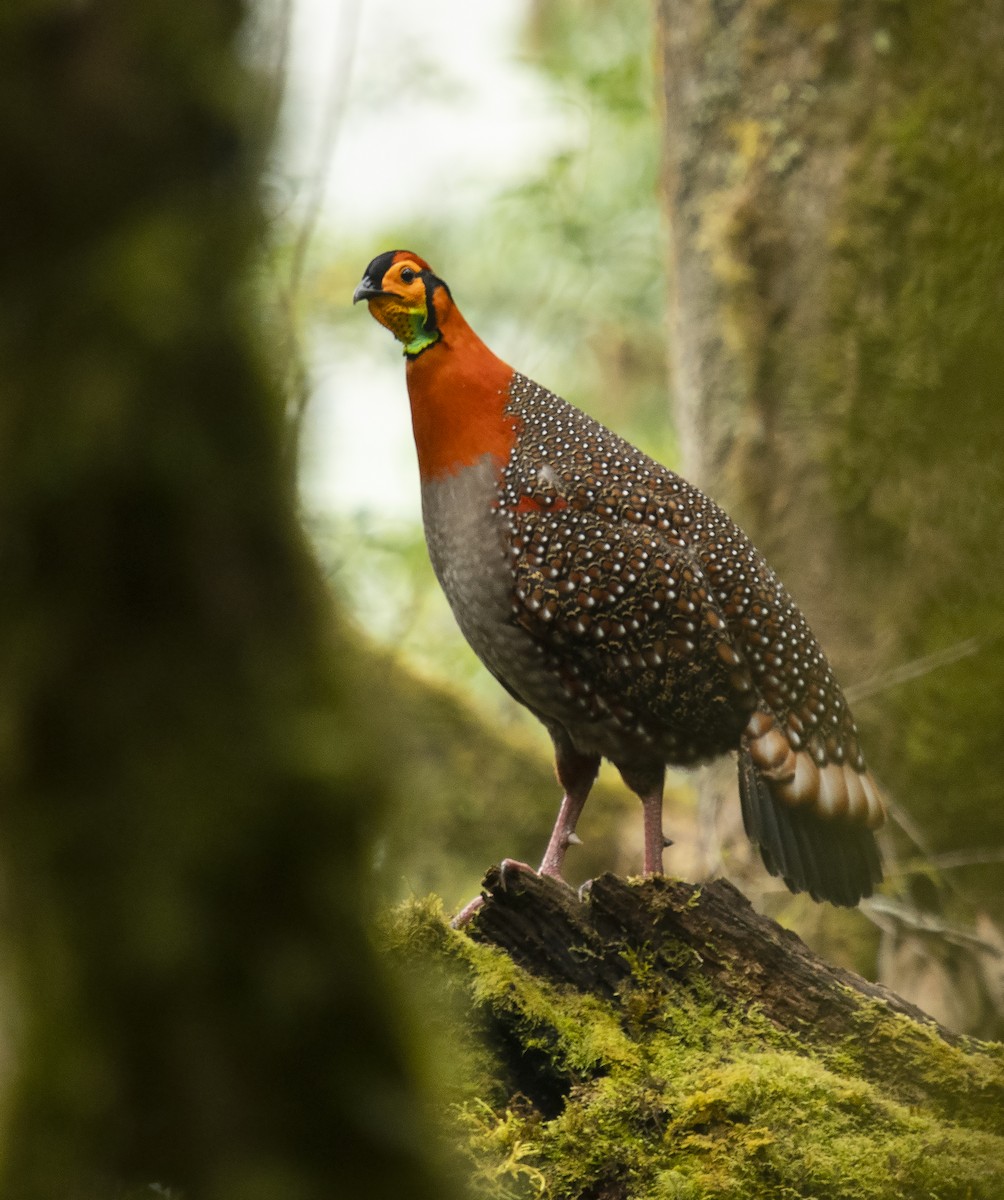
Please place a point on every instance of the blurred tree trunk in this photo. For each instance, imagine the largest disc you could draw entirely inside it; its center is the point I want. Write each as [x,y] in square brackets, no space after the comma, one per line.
[187,756]
[835,187]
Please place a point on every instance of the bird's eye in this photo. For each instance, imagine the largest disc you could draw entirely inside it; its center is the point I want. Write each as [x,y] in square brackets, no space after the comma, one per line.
[407,275]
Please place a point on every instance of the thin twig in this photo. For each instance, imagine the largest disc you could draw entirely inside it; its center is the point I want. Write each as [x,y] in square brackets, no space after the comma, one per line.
[908,825]
[908,917]
[967,858]
[346,37]
[917,667]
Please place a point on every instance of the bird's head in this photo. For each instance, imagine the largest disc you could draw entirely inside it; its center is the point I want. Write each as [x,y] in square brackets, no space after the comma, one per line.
[404,295]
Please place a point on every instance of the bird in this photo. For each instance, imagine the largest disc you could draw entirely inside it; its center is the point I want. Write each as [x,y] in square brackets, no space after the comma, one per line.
[622,606]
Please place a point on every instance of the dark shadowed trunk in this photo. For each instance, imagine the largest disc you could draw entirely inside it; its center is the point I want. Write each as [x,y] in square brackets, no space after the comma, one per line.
[188,761]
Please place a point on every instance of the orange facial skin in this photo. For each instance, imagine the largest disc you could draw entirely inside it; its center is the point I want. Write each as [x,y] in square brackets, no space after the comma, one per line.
[458,388]
[401,303]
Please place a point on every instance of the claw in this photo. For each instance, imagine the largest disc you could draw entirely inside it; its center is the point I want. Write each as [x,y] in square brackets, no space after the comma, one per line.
[510,867]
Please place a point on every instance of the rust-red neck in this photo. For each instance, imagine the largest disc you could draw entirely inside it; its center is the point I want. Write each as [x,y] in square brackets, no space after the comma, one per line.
[458,390]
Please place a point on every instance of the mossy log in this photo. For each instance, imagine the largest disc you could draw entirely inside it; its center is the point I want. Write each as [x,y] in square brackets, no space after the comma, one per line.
[654,1039]
[710,931]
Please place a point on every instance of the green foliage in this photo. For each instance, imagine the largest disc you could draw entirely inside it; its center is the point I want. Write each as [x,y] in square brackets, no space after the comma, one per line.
[664,1093]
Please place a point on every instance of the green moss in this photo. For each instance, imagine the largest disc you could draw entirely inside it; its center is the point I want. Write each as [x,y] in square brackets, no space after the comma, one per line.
[666,1093]
[784,1121]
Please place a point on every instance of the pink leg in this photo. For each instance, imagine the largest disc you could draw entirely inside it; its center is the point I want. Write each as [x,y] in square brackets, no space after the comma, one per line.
[576,774]
[467,912]
[563,835]
[645,779]
[508,868]
[655,839]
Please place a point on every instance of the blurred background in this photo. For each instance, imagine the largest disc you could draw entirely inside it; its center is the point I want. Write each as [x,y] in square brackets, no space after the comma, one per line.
[768,252]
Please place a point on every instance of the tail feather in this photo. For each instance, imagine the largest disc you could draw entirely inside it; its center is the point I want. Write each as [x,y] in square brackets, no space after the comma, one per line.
[834,860]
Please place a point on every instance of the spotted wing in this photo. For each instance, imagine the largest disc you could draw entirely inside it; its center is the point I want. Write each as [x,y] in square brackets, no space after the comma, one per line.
[633,627]
[703,649]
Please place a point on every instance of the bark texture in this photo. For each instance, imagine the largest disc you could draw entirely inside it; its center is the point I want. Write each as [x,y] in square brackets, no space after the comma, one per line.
[746,958]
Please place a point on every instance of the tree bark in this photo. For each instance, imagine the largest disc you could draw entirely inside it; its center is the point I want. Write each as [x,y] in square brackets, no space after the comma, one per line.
[712,929]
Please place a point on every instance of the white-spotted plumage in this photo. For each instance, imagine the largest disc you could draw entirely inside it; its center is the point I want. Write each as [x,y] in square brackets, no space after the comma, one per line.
[628,610]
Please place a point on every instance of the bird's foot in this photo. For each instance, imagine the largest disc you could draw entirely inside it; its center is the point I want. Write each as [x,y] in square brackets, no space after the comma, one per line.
[509,868]
[509,871]
[512,866]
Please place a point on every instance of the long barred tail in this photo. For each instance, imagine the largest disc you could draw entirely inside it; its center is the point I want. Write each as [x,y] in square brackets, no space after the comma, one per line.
[833,860]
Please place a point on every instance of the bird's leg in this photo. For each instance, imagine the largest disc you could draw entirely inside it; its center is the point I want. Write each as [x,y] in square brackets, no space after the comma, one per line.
[576,774]
[646,781]
[655,839]
[563,834]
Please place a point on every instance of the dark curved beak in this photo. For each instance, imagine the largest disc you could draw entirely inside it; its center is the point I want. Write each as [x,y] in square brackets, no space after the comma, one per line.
[366,290]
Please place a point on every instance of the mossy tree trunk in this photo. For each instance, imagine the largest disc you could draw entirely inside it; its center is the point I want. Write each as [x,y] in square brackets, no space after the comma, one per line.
[835,188]
[188,761]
